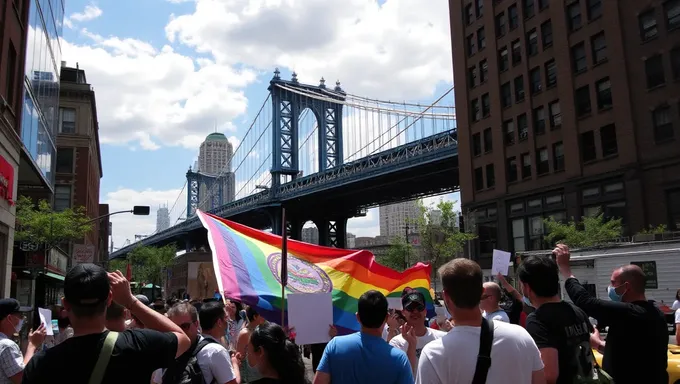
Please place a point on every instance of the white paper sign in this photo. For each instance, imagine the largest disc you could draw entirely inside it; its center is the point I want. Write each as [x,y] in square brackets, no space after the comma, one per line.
[501,262]
[310,329]
[394,303]
[46,319]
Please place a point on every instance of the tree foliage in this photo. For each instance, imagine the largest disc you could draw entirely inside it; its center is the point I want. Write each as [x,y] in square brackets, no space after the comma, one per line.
[39,224]
[589,232]
[147,263]
[399,254]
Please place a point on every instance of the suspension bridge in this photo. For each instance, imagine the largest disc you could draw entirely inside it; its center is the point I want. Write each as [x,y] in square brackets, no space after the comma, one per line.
[326,156]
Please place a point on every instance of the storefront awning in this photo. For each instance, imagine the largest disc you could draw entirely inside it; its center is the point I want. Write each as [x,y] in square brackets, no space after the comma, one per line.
[54,276]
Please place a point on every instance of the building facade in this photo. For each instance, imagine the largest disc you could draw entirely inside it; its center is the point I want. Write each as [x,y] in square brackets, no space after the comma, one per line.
[398,219]
[13,19]
[565,108]
[79,165]
[162,219]
[214,159]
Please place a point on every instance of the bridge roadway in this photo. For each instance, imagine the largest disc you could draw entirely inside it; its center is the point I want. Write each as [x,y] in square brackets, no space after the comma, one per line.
[424,167]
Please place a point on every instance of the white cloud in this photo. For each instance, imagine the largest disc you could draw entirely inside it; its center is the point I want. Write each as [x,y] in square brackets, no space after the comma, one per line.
[126,226]
[383,50]
[90,12]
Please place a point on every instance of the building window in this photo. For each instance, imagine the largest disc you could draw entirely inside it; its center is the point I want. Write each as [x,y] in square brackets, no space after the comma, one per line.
[654,71]
[500,24]
[516,52]
[555,114]
[663,127]
[518,235]
[675,63]
[594,9]
[490,176]
[471,45]
[558,156]
[479,8]
[588,151]
[546,34]
[582,101]
[578,58]
[503,59]
[550,74]
[488,237]
[62,197]
[542,161]
[479,179]
[608,140]
[648,29]
[512,17]
[539,120]
[532,43]
[543,4]
[526,165]
[574,20]
[488,140]
[599,46]
[476,144]
[672,9]
[523,127]
[474,110]
[509,132]
[65,160]
[604,93]
[468,14]
[11,74]
[512,169]
[674,209]
[483,71]
[528,6]
[506,95]
[486,105]
[519,88]
[67,120]
[535,80]
[472,76]
[481,38]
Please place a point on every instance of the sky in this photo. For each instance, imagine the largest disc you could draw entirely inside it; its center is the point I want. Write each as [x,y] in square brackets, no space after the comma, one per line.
[166,73]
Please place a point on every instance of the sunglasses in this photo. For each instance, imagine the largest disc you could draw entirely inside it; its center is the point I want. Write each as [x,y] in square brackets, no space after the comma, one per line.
[415,308]
[484,297]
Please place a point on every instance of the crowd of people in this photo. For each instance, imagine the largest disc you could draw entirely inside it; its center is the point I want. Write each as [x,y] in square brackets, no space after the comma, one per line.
[108,335]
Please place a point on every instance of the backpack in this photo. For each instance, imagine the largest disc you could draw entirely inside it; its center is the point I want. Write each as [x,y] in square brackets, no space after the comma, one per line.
[587,369]
[186,369]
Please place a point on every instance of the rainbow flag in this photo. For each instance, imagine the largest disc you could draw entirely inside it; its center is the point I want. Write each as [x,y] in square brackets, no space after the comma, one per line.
[248,266]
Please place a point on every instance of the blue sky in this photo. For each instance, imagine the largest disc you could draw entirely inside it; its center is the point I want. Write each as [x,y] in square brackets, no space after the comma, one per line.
[168,72]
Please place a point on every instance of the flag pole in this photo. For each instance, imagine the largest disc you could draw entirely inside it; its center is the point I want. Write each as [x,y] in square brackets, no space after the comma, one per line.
[284,264]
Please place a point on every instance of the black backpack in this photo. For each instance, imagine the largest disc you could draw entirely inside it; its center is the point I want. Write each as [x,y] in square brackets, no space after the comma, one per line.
[186,370]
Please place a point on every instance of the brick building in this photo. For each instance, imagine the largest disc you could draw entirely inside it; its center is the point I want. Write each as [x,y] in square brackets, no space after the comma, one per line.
[564,108]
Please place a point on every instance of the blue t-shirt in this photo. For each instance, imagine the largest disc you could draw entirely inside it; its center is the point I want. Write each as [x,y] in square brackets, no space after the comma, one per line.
[360,358]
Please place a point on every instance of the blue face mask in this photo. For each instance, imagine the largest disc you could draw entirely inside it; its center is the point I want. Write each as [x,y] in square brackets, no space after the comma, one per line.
[526,301]
[613,296]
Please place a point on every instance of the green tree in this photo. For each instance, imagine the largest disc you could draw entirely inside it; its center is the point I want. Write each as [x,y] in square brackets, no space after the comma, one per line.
[398,255]
[148,264]
[39,224]
[592,230]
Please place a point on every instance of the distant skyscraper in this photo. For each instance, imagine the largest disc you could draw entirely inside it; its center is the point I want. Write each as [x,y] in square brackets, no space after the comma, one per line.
[214,159]
[310,235]
[162,219]
[395,217]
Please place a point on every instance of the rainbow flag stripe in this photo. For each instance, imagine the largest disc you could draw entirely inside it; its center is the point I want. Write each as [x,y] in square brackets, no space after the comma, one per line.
[248,264]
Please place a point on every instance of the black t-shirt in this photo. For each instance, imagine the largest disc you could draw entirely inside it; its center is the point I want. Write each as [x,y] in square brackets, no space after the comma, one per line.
[562,326]
[636,350]
[136,355]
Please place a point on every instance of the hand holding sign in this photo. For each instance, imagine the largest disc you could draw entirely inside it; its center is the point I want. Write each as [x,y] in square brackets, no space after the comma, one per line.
[501,262]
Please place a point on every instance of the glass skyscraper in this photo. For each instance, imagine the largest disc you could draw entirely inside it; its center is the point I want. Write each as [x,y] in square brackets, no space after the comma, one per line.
[40,120]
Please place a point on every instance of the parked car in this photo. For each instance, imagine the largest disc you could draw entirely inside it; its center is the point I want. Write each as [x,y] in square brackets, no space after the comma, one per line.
[673,363]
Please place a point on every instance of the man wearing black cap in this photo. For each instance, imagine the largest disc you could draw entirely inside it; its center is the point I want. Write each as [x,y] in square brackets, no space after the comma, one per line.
[88,290]
[414,334]
[12,362]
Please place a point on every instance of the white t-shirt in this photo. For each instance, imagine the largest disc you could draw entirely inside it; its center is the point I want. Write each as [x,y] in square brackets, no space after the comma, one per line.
[676,305]
[499,315]
[214,361]
[677,317]
[430,334]
[453,358]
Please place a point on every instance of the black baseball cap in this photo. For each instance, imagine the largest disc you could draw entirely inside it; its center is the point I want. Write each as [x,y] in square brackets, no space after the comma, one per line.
[86,285]
[412,298]
[8,307]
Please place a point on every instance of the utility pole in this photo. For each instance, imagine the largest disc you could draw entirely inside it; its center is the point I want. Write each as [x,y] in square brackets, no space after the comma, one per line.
[406,247]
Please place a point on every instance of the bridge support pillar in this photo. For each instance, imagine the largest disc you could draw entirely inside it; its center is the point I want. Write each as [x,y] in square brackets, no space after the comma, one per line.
[293,225]
[332,232]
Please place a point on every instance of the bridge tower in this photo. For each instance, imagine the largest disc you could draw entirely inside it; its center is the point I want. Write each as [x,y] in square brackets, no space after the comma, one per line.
[289,99]
[199,186]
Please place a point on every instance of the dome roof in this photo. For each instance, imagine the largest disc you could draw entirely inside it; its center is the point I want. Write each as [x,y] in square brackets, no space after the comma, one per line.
[216,137]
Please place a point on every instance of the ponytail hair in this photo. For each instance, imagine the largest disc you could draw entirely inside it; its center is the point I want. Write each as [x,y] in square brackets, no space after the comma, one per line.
[281,353]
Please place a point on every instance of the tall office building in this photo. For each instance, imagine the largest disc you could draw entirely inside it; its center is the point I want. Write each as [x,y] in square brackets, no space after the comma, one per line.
[214,159]
[394,218]
[162,219]
[565,108]
[310,235]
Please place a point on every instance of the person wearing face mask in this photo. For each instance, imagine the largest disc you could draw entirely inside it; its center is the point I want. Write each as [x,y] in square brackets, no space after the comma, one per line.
[636,350]
[65,330]
[12,362]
